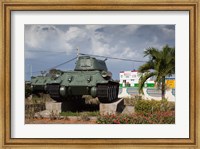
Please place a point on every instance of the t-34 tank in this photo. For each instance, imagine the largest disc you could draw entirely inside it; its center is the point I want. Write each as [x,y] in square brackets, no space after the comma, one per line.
[90,77]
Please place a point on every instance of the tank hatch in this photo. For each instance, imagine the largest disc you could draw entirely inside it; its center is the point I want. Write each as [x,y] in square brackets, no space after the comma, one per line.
[85,63]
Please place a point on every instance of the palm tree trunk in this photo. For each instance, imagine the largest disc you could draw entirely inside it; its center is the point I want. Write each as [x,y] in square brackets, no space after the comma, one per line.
[163,87]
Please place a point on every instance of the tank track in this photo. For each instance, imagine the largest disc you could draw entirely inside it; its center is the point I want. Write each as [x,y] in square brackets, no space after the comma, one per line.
[107,93]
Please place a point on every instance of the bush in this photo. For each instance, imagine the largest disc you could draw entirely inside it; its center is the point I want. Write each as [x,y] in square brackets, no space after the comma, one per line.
[139,118]
[150,106]
[27,90]
[31,109]
[129,101]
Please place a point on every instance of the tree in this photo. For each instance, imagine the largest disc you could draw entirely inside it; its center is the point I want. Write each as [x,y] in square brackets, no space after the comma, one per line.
[161,64]
[54,72]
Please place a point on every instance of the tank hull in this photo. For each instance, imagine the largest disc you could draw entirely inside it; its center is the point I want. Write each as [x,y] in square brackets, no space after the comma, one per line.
[75,83]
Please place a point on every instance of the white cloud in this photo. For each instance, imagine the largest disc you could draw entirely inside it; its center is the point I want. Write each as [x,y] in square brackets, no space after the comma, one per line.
[51,38]
[123,41]
[169,33]
[74,33]
[93,27]
[130,29]
[45,38]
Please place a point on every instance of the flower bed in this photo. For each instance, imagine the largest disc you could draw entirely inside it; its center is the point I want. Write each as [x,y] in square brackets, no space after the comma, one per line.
[167,117]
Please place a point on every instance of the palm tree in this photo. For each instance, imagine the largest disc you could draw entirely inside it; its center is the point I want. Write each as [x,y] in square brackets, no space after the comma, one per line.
[160,64]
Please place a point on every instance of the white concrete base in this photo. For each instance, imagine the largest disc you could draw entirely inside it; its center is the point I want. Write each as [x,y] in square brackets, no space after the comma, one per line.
[54,107]
[111,108]
[124,93]
[168,95]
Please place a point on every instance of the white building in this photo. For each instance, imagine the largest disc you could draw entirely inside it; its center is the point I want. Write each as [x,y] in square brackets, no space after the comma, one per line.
[131,79]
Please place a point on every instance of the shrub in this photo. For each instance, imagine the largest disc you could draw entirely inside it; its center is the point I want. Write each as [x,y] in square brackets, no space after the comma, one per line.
[129,101]
[31,109]
[167,117]
[150,106]
[27,90]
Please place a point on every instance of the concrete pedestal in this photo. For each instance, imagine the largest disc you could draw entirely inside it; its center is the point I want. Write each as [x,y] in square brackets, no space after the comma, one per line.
[111,108]
[54,107]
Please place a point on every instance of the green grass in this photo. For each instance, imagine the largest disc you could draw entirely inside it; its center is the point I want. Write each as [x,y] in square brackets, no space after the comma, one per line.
[69,113]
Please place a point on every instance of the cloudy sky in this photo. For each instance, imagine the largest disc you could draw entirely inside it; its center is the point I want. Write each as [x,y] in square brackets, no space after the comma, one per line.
[49,45]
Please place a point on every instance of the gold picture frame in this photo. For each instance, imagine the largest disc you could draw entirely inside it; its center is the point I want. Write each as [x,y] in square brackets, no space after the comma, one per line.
[118,5]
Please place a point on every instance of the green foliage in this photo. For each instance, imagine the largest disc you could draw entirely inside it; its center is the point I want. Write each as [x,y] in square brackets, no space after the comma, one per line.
[167,117]
[129,101]
[38,99]
[69,113]
[55,71]
[150,106]
[27,90]
[31,109]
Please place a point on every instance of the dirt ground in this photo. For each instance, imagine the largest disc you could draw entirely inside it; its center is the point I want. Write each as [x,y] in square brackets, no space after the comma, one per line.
[70,120]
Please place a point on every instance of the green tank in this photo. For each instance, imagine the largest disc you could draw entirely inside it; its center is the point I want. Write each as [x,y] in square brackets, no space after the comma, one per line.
[90,77]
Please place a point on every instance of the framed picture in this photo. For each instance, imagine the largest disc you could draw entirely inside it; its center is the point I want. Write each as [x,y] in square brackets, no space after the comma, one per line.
[28,28]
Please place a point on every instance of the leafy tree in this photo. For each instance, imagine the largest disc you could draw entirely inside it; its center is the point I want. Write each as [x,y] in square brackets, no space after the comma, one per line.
[161,64]
[54,72]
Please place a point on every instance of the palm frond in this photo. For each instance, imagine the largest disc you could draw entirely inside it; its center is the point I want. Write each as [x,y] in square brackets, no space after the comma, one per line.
[143,79]
[153,53]
[146,67]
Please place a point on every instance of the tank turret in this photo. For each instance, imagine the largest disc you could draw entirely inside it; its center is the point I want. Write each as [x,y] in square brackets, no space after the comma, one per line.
[86,63]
